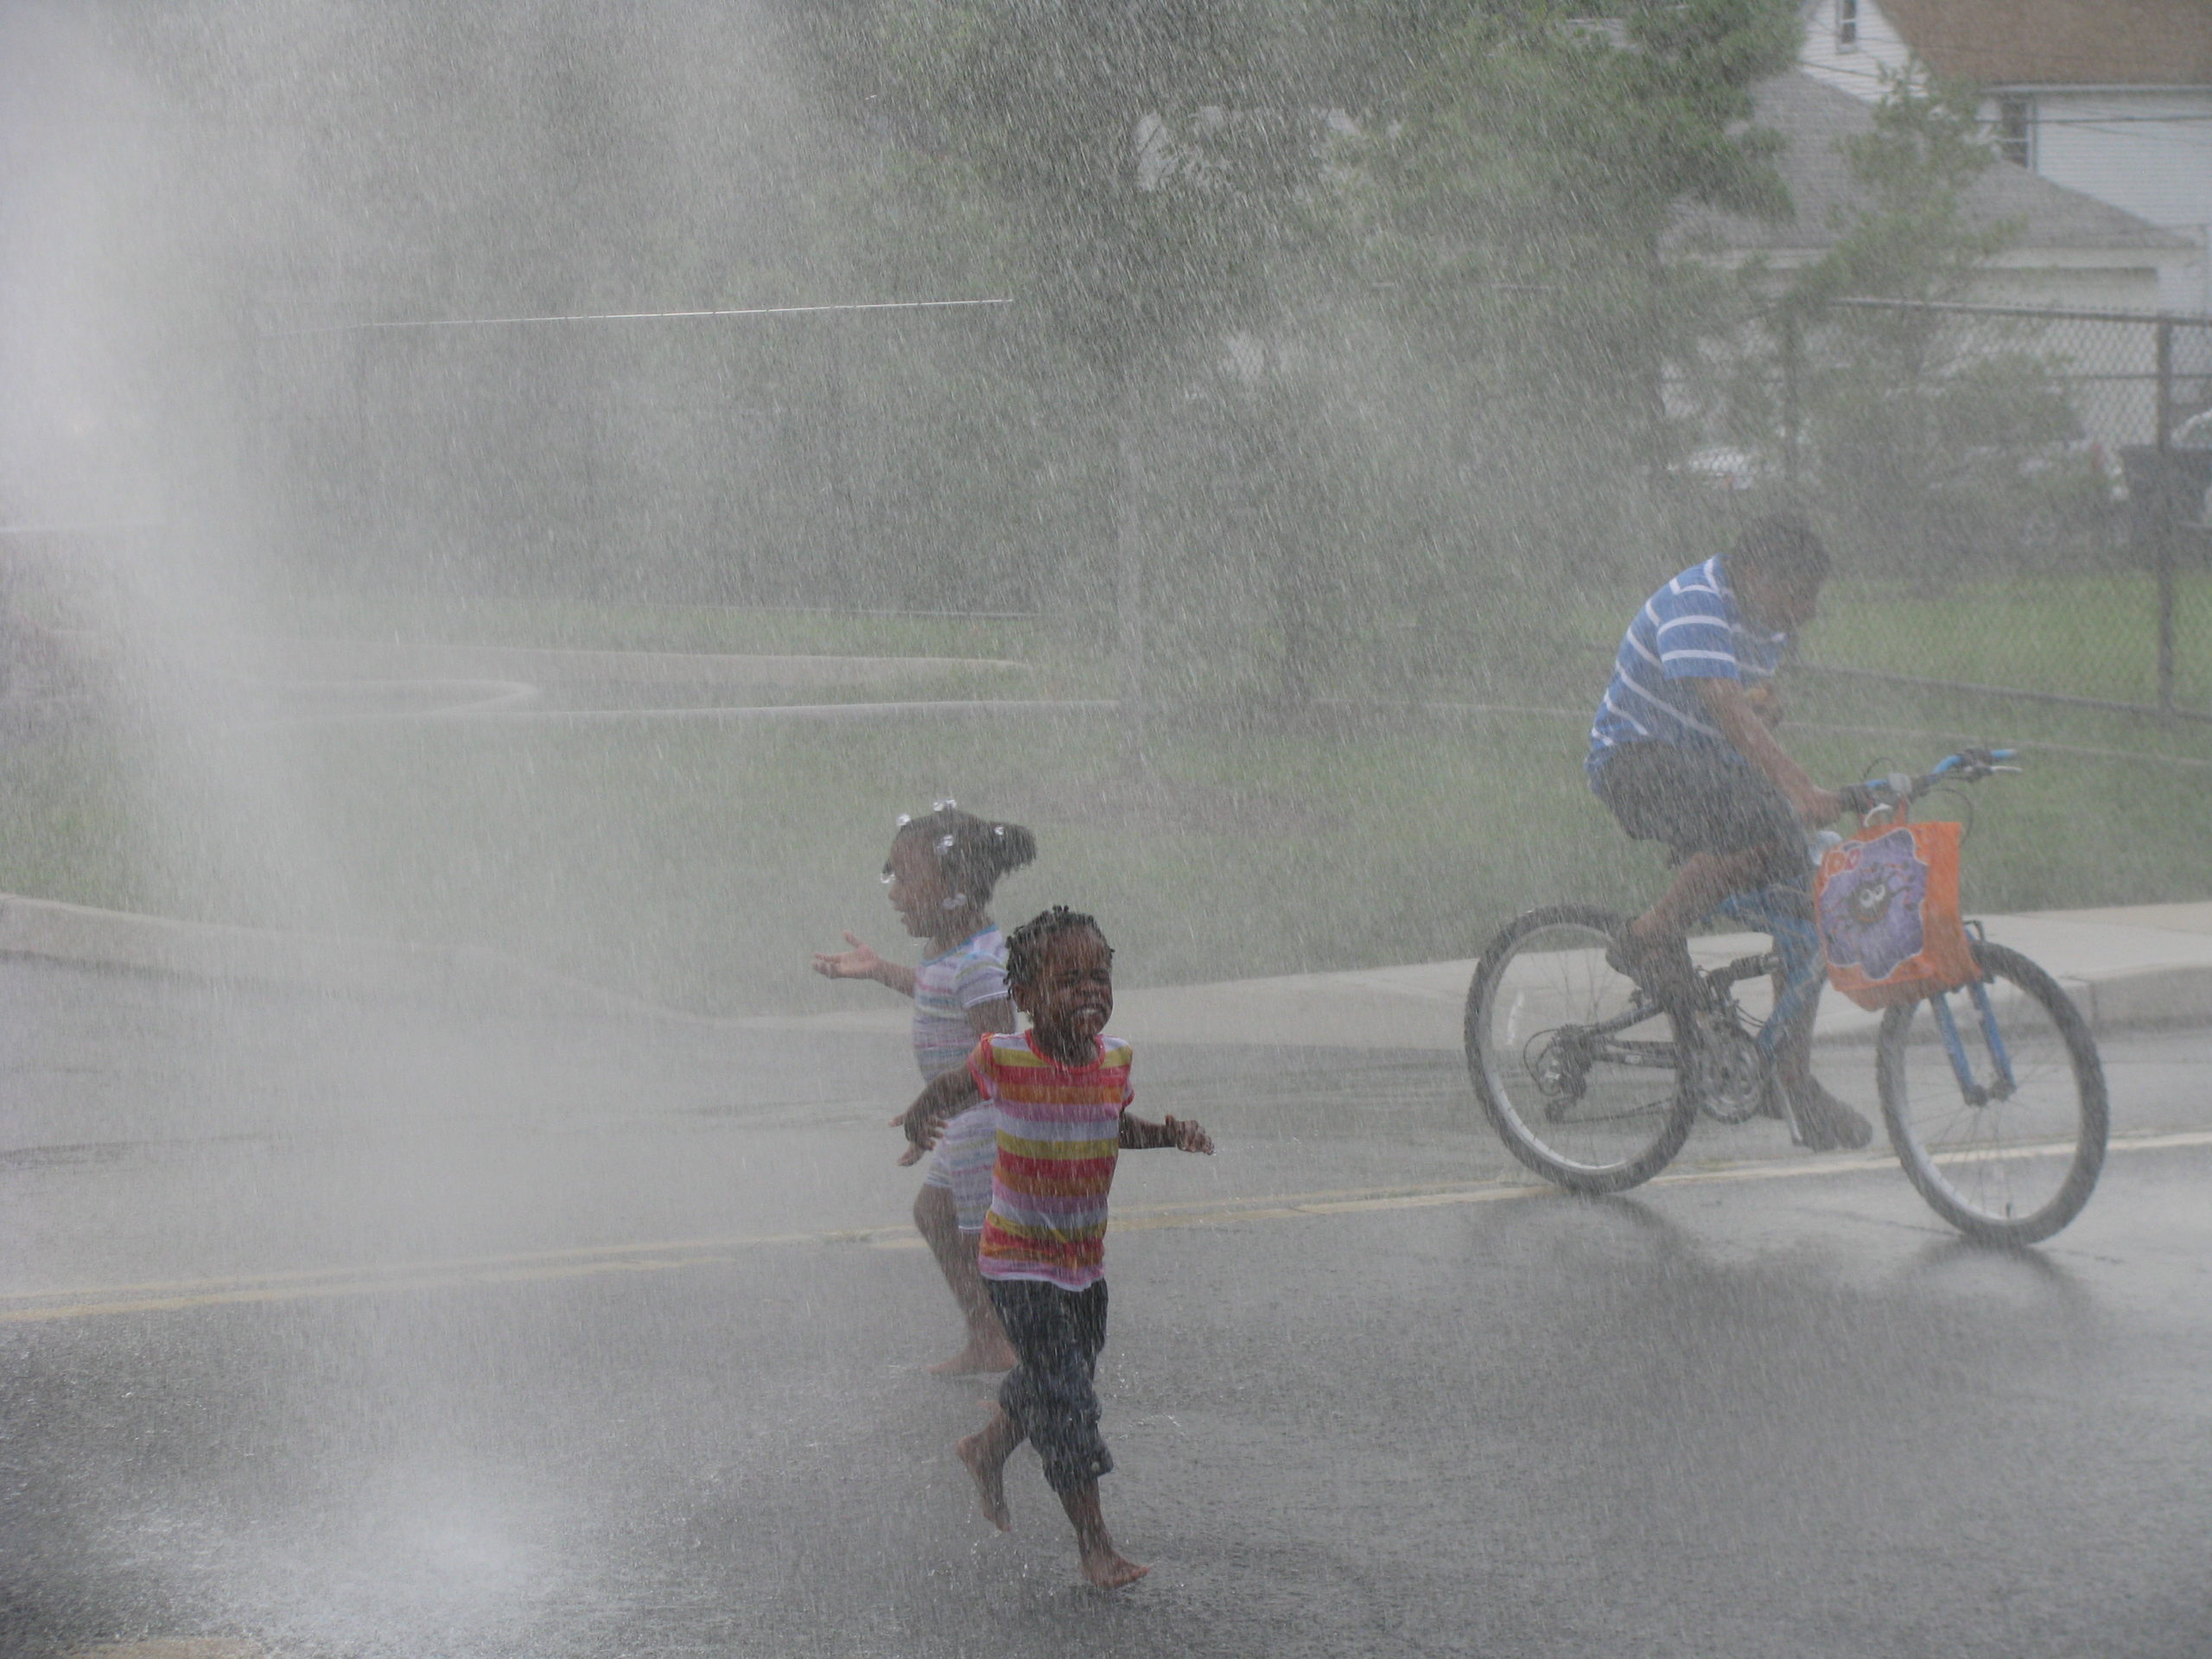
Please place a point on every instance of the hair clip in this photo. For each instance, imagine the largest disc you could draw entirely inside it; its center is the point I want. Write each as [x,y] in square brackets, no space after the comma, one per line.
[902,821]
[956,901]
[945,843]
[944,805]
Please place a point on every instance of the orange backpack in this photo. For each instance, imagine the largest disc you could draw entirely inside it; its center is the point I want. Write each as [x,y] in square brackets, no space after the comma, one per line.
[1887,901]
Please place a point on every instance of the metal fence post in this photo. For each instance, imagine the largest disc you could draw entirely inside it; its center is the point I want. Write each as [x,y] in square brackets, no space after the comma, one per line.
[1129,566]
[1791,370]
[2166,530]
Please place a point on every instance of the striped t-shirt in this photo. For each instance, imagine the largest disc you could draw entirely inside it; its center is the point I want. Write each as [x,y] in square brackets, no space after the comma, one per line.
[1690,630]
[1059,1132]
[945,988]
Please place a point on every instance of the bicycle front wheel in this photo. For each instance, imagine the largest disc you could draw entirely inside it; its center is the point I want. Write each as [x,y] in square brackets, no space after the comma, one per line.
[1578,1070]
[1995,1098]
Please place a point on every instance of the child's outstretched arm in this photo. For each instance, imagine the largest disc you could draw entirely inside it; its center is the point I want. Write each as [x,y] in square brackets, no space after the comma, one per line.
[942,1097]
[861,963]
[1183,1134]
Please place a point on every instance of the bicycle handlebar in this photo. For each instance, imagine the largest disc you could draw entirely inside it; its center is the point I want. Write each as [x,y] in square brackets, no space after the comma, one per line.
[1968,766]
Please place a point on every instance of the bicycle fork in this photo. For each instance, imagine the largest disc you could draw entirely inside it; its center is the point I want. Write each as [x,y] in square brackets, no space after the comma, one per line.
[2003,1084]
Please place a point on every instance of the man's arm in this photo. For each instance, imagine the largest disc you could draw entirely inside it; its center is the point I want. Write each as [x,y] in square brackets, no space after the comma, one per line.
[1739,723]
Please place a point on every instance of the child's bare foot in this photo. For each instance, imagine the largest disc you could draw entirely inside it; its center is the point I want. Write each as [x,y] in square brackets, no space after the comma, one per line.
[977,1357]
[1108,1569]
[1103,1565]
[988,1466]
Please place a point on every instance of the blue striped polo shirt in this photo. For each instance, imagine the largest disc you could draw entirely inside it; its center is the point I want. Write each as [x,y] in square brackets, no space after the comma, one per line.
[1689,630]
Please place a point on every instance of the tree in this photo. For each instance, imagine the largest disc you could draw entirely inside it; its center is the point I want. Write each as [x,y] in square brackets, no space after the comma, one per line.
[1911,236]
[1469,195]
[1515,200]
[1142,161]
[1920,419]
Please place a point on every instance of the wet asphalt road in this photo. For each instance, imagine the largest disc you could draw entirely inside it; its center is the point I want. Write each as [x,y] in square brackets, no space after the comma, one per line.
[346,1331]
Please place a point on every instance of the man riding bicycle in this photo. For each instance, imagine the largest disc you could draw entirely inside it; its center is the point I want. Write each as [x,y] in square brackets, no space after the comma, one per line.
[1683,753]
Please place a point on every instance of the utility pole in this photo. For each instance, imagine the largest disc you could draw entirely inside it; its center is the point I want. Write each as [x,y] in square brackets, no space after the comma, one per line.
[1792,367]
[2165,526]
[1128,563]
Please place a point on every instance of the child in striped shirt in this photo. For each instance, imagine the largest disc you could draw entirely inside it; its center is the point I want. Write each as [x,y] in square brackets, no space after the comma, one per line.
[940,876]
[1062,1093]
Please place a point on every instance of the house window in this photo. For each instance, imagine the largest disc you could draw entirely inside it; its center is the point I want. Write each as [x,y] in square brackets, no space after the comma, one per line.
[1846,25]
[2016,128]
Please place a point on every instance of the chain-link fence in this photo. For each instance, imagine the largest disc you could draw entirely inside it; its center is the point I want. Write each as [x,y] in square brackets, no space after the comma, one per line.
[773,456]
[2043,459]
[2019,495]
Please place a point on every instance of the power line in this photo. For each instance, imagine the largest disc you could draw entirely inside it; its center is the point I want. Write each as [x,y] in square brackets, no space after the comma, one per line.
[2039,119]
[633,316]
[2124,120]
[1961,53]
[2023,89]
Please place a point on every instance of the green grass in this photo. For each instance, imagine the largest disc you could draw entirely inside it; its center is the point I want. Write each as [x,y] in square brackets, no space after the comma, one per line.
[2087,636]
[2092,635]
[712,628]
[700,865]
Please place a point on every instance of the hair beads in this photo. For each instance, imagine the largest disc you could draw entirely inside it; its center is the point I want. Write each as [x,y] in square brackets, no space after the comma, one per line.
[970,854]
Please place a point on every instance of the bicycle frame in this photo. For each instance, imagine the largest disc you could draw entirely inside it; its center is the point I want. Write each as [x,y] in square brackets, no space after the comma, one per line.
[1564,1105]
[1776,911]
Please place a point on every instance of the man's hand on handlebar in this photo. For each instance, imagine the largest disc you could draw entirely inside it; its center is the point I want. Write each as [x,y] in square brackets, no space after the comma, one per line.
[1968,766]
[1815,806]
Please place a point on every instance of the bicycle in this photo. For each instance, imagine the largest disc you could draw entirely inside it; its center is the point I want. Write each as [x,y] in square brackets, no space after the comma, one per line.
[1999,1117]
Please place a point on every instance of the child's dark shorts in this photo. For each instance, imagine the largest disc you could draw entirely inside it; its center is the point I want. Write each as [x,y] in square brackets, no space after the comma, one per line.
[1696,801]
[1057,1335]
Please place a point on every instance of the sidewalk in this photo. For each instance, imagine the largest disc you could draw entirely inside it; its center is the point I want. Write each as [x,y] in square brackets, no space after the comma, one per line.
[2140,965]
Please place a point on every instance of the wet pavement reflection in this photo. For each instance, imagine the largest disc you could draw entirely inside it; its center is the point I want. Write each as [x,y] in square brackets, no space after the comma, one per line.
[426,1368]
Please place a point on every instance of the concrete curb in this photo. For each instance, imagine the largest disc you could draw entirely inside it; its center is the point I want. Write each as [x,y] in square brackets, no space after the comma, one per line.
[2132,968]
[359,659]
[484,981]
[2179,995]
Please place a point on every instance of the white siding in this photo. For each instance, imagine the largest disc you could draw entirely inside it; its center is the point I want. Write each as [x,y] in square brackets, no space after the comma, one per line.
[2048,280]
[2148,152]
[1859,69]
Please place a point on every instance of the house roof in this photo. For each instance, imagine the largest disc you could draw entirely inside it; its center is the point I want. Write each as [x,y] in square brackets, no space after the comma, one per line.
[1814,119]
[2061,43]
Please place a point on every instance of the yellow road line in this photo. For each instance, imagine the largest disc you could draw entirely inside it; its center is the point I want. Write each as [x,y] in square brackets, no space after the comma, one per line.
[536,1267]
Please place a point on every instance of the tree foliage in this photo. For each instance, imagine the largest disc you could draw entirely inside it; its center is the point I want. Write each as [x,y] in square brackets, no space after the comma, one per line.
[1912,235]
[1937,439]
[1392,270]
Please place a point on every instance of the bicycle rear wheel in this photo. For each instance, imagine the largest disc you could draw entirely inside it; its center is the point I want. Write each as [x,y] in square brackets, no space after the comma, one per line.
[1577,1069]
[2000,1122]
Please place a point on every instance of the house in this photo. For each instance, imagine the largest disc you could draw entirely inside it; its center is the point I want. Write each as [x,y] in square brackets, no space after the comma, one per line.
[2073,251]
[2109,98]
